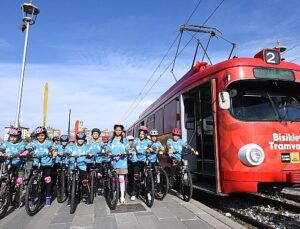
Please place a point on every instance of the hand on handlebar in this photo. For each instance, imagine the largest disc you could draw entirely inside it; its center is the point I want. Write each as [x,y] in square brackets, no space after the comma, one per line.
[24,153]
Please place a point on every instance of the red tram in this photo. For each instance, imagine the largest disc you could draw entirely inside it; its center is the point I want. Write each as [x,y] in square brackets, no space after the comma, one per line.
[242,115]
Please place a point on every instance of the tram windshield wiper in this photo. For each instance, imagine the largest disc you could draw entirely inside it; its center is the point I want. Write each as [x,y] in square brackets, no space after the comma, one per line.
[274,107]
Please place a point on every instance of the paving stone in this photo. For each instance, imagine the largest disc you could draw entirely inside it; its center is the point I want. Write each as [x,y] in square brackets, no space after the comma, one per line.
[107,222]
[59,226]
[65,217]
[83,221]
[180,211]
[163,212]
[172,223]
[197,224]
[148,221]
[127,221]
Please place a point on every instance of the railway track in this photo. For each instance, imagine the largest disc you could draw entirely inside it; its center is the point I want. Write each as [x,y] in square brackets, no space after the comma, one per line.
[254,210]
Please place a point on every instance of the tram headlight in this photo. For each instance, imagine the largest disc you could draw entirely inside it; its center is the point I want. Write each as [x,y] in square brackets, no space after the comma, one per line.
[251,155]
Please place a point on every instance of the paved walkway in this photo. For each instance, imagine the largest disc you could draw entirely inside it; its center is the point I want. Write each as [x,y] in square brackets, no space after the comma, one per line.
[171,213]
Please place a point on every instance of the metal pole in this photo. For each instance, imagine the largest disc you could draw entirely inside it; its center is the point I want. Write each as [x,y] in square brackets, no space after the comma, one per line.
[69,123]
[17,122]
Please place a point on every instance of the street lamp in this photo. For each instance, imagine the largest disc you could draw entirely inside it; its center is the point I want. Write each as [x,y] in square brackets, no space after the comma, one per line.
[30,13]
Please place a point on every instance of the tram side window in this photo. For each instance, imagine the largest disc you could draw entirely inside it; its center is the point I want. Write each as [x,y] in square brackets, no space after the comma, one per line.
[159,120]
[170,116]
[136,130]
[150,122]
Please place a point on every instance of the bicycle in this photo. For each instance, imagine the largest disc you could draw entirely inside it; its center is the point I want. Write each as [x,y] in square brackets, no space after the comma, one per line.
[62,179]
[145,185]
[111,182]
[93,179]
[183,176]
[74,187]
[160,178]
[10,192]
[35,191]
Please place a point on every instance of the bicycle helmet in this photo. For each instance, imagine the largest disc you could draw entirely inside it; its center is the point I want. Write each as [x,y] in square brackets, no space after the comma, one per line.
[176,131]
[55,138]
[64,138]
[130,138]
[119,125]
[143,128]
[105,139]
[15,132]
[80,136]
[40,130]
[96,130]
[153,132]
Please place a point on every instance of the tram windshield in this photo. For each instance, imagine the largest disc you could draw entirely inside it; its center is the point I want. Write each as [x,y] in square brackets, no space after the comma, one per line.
[253,100]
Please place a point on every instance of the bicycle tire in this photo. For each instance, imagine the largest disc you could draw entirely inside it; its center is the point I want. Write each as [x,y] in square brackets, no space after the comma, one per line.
[73,195]
[186,185]
[160,193]
[92,188]
[113,191]
[6,198]
[28,195]
[149,189]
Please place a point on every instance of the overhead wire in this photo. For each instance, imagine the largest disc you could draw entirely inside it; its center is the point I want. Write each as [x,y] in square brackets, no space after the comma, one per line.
[168,66]
[128,111]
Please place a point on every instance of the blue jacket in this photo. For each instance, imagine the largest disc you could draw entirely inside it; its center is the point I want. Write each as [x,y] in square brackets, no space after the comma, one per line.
[12,149]
[81,160]
[176,146]
[62,150]
[95,147]
[141,147]
[104,150]
[41,150]
[153,155]
[115,146]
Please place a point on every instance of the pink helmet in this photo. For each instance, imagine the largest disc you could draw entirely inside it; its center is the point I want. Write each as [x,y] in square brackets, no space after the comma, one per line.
[40,130]
[176,131]
[130,138]
[143,128]
[118,124]
[15,131]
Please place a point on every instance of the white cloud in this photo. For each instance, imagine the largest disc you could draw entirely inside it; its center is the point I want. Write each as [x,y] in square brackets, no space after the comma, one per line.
[4,44]
[97,94]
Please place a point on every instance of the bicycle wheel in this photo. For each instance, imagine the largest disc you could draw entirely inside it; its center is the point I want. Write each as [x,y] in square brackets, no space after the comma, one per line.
[18,195]
[33,195]
[73,194]
[149,189]
[186,185]
[61,188]
[5,198]
[113,190]
[161,183]
[92,188]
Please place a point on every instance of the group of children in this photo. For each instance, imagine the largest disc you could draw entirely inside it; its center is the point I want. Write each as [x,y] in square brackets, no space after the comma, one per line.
[51,154]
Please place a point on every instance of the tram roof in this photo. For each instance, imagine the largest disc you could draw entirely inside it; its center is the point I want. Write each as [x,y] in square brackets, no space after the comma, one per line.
[200,71]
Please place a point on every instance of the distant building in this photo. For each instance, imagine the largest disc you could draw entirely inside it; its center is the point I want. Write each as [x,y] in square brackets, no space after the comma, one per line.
[25,132]
[53,132]
[107,133]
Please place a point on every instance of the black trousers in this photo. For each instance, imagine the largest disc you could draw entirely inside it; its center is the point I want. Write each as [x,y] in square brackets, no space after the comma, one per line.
[135,175]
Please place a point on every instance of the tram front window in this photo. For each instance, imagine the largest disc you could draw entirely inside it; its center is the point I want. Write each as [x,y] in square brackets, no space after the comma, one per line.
[265,101]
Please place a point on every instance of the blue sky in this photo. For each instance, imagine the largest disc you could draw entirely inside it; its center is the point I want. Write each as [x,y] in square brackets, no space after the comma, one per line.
[96,55]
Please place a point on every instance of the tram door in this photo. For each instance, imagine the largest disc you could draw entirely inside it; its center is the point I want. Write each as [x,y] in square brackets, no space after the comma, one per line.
[199,123]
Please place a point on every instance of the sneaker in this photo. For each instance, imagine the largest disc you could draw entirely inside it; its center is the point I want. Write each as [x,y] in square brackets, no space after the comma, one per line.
[132,198]
[48,201]
[122,200]
[69,202]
